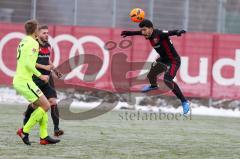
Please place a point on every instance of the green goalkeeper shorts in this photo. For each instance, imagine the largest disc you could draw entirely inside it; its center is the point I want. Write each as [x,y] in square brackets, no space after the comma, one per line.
[28,90]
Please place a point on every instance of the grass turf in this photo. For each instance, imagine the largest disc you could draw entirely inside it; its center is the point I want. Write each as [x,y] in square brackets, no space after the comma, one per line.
[114,135]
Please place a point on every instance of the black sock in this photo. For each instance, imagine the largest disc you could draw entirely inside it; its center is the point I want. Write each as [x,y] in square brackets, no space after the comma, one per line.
[176,90]
[55,116]
[28,113]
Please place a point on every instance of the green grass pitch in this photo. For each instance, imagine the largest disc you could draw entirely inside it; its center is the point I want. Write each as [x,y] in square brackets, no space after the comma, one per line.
[113,136]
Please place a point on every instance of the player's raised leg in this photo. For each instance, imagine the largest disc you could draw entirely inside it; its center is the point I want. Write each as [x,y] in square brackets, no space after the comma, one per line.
[156,69]
[168,79]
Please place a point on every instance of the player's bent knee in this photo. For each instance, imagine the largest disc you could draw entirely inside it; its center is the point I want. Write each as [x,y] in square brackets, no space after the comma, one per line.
[43,102]
[151,76]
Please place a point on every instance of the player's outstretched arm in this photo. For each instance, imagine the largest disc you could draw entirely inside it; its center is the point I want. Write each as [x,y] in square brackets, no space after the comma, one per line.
[130,33]
[173,32]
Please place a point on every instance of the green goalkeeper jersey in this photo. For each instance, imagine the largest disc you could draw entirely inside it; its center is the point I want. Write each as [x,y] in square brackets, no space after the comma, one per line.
[27,54]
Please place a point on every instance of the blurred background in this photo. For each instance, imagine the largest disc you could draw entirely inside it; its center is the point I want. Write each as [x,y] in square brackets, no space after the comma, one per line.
[222,16]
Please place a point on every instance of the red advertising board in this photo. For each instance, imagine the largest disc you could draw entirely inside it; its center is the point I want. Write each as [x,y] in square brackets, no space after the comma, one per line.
[210,62]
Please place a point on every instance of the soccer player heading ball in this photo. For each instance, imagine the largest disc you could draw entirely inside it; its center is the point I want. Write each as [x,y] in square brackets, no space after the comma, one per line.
[168,62]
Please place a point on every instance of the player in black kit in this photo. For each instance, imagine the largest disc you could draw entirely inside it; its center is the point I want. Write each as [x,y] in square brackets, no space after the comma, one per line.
[46,67]
[168,62]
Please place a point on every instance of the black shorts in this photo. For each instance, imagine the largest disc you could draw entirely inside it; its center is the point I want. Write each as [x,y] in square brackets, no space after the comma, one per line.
[48,89]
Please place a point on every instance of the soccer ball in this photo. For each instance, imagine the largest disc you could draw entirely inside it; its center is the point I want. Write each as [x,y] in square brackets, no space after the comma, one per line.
[137,15]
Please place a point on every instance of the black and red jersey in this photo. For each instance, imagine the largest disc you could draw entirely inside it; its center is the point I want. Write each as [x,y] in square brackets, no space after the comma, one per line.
[161,42]
[44,56]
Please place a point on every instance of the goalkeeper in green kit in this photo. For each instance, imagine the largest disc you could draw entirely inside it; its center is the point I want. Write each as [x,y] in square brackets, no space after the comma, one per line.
[27,54]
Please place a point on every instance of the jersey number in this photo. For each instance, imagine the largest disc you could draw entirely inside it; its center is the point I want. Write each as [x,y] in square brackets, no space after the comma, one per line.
[19,50]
